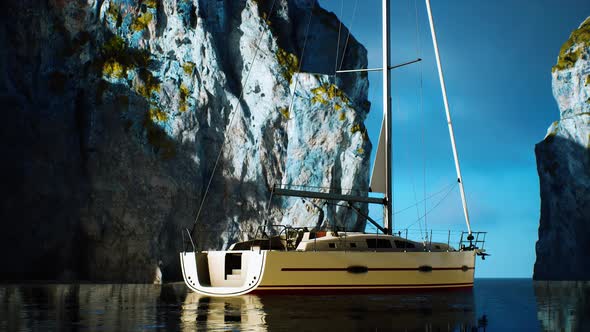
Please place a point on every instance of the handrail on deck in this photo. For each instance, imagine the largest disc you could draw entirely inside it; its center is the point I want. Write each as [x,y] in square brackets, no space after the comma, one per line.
[477,240]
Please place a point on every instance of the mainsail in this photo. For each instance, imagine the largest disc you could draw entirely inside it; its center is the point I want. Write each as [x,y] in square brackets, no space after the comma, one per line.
[378,175]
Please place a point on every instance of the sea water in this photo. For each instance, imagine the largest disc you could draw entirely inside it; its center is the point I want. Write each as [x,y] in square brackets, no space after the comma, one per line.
[492,305]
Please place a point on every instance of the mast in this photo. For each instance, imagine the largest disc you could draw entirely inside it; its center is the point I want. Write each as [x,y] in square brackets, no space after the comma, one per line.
[446,102]
[388,215]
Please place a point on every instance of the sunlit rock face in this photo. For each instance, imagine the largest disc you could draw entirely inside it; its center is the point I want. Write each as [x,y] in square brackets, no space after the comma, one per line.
[563,163]
[115,113]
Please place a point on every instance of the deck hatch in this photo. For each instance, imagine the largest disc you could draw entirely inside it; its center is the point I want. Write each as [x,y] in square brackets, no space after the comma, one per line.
[232,262]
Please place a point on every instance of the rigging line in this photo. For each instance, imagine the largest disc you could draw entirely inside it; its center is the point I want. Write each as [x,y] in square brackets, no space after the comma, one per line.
[272,191]
[348,36]
[239,105]
[301,57]
[434,207]
[427,198]
[339,32]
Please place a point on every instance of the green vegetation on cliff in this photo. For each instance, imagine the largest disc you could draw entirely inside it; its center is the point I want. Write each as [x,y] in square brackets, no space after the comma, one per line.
[568,55]
[289,62]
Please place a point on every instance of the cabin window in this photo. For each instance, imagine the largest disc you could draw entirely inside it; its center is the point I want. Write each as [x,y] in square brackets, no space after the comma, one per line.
[332,245]
[353,245]
[314,235]
[404,244]
[378,243]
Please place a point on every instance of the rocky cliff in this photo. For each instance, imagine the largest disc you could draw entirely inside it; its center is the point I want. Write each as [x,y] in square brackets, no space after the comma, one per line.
[115,113]
[563,163]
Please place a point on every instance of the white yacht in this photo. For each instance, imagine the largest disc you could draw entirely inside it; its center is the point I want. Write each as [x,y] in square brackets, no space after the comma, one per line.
[302,260]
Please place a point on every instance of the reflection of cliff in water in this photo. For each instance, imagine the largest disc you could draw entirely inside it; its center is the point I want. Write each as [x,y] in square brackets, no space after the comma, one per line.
[88,307]
[563,305]
[431,312]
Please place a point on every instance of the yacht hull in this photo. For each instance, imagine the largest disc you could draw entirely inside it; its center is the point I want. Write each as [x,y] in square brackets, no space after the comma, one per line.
[335,271]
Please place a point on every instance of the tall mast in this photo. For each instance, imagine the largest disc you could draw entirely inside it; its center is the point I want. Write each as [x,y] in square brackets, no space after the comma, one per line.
[388,220]
[451,132]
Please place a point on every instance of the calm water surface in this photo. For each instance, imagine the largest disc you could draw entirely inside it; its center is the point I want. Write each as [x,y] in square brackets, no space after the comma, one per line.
[493,305]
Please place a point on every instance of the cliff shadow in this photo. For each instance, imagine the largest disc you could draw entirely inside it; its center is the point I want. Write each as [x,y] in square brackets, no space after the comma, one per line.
[564,175]
[44,181]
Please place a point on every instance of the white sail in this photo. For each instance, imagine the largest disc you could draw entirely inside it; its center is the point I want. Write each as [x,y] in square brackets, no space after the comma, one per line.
[378,175]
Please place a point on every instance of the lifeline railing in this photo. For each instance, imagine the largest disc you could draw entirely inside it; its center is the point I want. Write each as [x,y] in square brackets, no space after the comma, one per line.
[289,237]
[477,240]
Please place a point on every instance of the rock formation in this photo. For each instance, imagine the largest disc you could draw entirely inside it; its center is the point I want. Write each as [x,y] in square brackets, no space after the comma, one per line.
[115,113]
[563,163]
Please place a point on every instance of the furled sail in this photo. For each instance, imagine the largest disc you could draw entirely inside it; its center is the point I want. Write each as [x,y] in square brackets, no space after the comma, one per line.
[378,175]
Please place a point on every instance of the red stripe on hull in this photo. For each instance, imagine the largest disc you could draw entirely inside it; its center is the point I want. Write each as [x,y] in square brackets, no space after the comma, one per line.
[303,269]
[372,289]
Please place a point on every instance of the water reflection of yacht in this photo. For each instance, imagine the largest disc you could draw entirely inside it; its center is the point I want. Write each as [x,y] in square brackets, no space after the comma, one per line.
[243,313]
[448,311]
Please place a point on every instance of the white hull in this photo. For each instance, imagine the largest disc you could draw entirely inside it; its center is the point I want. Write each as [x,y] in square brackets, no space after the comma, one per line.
[205,273]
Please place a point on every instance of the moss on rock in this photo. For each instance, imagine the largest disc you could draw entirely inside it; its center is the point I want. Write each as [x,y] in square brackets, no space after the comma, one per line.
[285,112]
[156,114]
[573,48]
[113,68]
[360,127]
[153,4]
[188,67]
[289,62]
[142,21]
[148,84]
[158,139]
[329,93]
[114,14]
[183,94]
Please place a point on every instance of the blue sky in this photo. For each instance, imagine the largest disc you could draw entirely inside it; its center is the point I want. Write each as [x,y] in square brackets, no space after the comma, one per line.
[497,57]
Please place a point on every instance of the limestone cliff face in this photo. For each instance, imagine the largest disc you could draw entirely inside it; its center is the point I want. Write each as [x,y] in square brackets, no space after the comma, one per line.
[115,112]
[563,163]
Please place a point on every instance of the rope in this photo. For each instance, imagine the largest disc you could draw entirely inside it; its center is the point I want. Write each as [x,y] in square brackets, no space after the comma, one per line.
[338,45]
[230,123]
[348,36]
[272,191]
[301,56]
[425,199]
[434,207]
